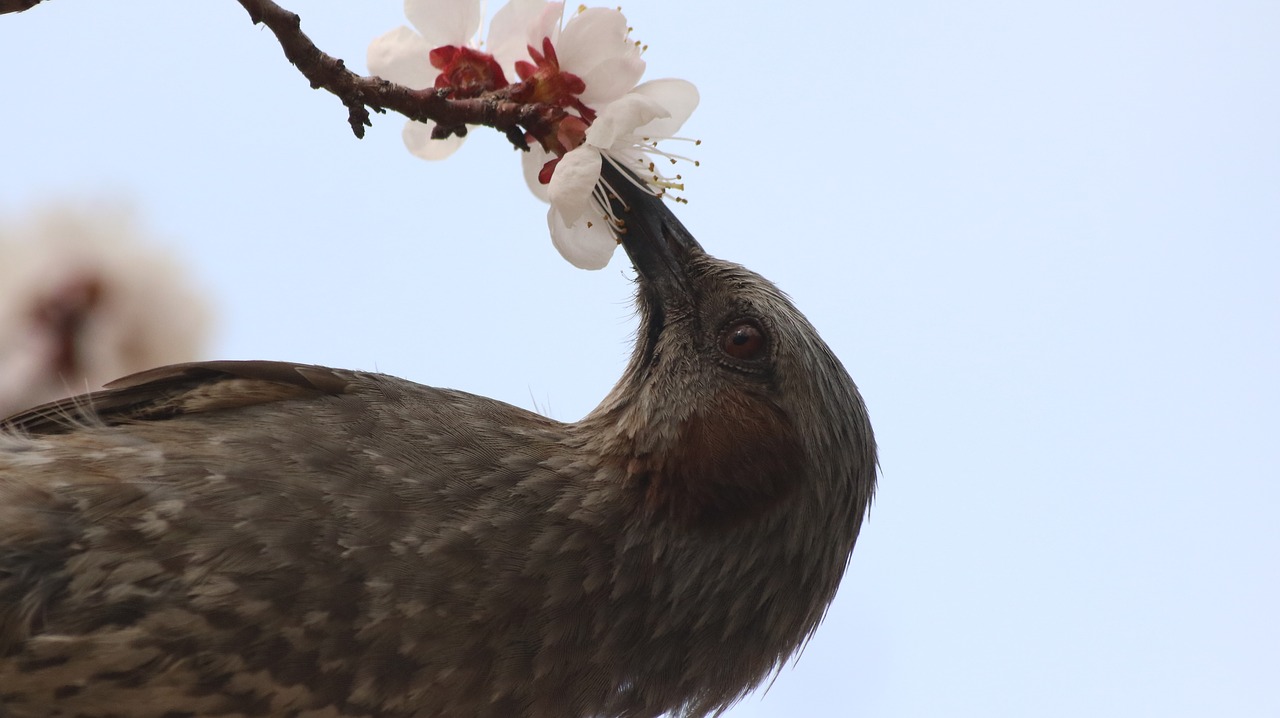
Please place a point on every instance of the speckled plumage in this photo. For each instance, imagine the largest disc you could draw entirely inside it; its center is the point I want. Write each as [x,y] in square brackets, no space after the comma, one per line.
[266,539]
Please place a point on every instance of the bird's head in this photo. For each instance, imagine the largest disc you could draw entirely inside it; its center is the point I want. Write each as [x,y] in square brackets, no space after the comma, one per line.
[732,403]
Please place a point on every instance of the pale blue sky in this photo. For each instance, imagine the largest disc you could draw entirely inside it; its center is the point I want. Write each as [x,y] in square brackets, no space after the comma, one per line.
[1043,237]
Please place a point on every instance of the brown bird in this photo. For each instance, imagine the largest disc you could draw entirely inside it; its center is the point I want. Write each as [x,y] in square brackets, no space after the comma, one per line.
[272,539]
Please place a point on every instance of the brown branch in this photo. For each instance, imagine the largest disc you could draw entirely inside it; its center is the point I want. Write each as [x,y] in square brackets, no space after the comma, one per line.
[360,94]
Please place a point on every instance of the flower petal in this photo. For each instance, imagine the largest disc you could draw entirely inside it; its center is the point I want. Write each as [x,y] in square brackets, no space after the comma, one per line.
[531,163]
[591,37]
[444,22]
[417,137]
[574,179]
[679,97]
[611,79]
[619,120]
[547,24]
[401,56]
[586,247]
[519,24]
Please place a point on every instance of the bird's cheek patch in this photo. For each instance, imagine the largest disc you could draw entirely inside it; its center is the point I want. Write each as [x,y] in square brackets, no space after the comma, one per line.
[733,462]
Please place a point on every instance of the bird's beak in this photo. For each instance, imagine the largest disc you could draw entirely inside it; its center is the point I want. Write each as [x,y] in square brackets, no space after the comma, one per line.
[658,245]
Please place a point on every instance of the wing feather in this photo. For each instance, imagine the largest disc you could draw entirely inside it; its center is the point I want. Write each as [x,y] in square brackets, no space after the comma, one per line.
[178,389]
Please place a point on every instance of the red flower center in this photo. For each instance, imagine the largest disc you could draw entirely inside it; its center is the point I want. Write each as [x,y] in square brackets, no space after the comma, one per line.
[470,73]
[466,70]
[545,83]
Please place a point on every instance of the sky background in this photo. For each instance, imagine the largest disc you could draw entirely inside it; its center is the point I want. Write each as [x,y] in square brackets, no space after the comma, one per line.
[1044,238]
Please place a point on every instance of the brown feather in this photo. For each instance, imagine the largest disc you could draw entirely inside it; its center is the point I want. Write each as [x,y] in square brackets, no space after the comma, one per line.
[180,389]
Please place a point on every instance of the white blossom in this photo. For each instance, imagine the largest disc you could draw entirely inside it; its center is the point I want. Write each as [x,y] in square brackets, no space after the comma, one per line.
[587,67]
[404,55]
[626,133]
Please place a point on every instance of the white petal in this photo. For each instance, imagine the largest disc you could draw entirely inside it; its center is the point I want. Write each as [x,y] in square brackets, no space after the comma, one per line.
[532,163]
[591,37]
[572,182]
[402,57]
[547,25]
[444,22]
[585,247]
[519,24]
[417,137]
[611,79]
[620,119]
[679,97]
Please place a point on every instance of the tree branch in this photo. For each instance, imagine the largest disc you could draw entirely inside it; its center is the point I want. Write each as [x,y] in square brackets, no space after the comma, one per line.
[8,6]
[360,94]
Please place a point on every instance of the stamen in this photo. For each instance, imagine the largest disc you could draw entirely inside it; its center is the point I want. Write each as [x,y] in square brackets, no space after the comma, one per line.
[606,208]
[625,173]
[653,149]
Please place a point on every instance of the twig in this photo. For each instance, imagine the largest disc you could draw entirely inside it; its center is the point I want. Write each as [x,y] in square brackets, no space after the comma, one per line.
[8,6]
[360,94]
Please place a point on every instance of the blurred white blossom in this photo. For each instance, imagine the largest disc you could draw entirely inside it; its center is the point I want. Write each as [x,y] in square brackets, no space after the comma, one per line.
[85,299]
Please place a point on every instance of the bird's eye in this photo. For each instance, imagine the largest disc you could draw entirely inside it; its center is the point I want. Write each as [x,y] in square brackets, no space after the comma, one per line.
[744,341]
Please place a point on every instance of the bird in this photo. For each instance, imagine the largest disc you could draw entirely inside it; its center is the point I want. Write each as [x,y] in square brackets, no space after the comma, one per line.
[257,538]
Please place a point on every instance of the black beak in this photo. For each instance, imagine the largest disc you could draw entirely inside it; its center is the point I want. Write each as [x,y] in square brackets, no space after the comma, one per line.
[658,245]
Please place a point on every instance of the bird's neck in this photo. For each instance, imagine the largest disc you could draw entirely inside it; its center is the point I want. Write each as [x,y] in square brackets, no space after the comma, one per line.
[717,463]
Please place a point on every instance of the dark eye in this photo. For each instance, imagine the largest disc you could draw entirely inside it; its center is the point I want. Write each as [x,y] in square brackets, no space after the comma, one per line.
[743,340]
